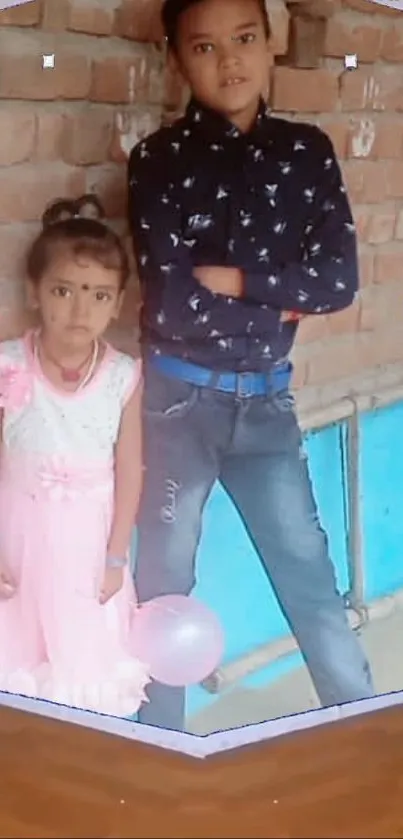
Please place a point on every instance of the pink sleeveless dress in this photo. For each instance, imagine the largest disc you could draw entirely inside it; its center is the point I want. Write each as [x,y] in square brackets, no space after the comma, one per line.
[56,502]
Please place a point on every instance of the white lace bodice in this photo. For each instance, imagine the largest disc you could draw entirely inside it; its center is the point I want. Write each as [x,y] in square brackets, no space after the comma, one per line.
[80,427]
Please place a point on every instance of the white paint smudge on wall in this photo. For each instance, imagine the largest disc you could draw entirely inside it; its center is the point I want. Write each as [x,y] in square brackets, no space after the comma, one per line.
[371,95]
[132,84]
[363,138]
[133,127]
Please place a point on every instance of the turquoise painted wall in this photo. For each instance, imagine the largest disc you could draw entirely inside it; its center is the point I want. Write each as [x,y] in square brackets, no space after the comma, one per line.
[231,580]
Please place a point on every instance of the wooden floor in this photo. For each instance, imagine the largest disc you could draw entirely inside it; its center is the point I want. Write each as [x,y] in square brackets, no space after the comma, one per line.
[343,780]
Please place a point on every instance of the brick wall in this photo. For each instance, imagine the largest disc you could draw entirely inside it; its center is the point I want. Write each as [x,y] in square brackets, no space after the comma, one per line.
[360,349]
[68,129]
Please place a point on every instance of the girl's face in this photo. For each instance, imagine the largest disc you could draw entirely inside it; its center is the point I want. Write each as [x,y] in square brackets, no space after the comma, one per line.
[77,299]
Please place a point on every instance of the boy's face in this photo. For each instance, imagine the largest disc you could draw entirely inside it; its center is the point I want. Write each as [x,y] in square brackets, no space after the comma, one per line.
[222,52]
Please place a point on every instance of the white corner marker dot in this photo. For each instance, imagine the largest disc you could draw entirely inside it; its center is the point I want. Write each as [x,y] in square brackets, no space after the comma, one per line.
[351,62]
[48,61]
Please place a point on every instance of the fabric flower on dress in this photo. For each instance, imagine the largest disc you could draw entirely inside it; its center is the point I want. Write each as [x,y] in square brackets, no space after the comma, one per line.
[62,481]
[15,387]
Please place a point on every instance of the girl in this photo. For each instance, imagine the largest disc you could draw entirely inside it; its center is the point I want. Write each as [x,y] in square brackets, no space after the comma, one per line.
[70,475]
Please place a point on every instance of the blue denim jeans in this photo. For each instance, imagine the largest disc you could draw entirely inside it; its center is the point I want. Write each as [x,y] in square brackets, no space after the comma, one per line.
[196,436]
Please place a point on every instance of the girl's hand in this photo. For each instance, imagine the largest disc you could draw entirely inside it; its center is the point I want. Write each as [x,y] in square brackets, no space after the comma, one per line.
[7,583]
[112,583]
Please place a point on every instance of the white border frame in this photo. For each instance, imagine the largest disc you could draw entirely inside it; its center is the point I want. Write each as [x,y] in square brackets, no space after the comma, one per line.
[9,4]
[194,745]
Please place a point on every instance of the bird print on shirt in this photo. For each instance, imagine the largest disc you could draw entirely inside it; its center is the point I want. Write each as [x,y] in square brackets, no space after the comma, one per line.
[272,203]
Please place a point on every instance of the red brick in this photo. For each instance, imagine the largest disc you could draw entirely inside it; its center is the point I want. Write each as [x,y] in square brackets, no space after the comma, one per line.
[306,41]
[49,135]
[367,310]
[129,315]
[309,91]
[90,16]
[341,323]
[120,81]
[140,20]
[334,359]
[124,339]
[26,79]
[379,305]
[313,328]
[342,39]
[27,14]
[174,89]
[55,15]
[394,178]
[155,80]
[378,91]
[388,265]
[15,323]
[365,181]
[361,220]
[392,45]
[109,182]
[87,136]
[381,346]
[279,20]
[26,190]
[14,317]
[347,356]
[299,375]
[366,266]
[338,133]
[14,241]
[17,134]
[381,227]
[399,226]
[389,139]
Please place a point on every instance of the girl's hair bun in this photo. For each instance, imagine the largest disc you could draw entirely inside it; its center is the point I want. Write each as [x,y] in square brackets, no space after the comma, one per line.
[63,209]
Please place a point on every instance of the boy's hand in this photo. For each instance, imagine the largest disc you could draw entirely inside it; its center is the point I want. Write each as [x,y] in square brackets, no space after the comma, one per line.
[7,583]
[229,282]
[219,280]
[112,583]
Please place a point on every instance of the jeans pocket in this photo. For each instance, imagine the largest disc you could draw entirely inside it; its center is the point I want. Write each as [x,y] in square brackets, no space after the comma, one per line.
[167,398]
[283,402]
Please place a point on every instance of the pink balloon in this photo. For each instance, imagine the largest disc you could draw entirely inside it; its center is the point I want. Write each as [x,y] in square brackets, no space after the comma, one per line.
[179,638]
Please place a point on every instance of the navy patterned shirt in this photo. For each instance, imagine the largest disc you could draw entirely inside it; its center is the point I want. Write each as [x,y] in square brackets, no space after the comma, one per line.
[270,202]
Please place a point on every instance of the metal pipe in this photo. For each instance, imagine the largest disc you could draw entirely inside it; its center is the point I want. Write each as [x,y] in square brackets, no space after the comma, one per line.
[265,654]
[355,597]
[313,419]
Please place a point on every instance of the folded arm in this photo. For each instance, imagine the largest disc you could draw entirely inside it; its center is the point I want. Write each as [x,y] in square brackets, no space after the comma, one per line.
[326,279]
[163,257]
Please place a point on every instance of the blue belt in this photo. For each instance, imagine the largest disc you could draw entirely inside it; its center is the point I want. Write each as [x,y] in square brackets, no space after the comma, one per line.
[244,385]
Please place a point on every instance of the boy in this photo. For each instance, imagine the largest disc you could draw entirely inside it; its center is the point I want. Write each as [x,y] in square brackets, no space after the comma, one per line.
[236,217]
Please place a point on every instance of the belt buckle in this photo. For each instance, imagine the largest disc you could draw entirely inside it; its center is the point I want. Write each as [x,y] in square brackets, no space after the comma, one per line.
[244,385]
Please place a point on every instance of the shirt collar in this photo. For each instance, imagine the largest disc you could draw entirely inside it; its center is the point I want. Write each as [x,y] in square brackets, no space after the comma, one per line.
[217,128]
